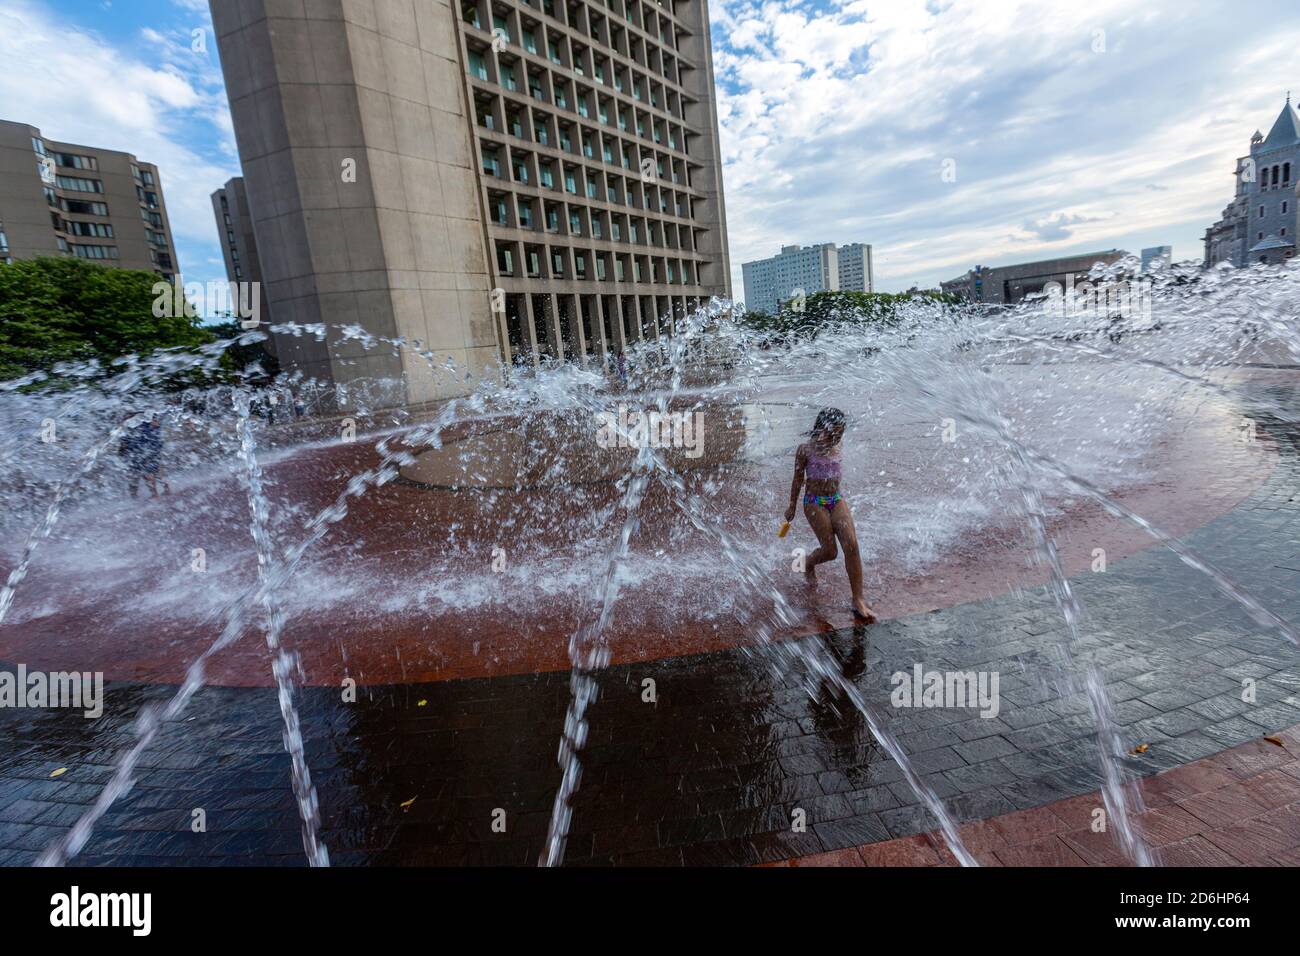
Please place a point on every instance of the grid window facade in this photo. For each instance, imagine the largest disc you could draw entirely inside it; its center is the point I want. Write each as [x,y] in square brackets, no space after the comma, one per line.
[591,121]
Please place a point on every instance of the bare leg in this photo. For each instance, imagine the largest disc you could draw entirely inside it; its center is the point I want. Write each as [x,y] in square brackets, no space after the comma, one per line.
[819,520]
[842,523]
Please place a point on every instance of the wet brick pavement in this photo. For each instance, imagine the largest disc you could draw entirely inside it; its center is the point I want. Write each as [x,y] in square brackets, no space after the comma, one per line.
[711,773]
[1239,807]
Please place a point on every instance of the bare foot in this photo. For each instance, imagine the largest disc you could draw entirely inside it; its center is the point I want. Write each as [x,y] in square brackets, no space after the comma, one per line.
[863,610]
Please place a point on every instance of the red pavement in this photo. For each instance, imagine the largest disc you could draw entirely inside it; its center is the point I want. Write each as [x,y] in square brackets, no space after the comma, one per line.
[119,596]
[1239,807]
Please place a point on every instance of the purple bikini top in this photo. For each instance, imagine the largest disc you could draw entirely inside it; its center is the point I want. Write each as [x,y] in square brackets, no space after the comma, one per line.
[823,467]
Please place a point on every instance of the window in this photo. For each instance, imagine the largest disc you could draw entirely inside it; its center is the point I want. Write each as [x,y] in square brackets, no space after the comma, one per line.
[95,252]
[491,165]
[526,216]
[476,65]
[530,41]
[505,261]
[1285,205]
[87,208]
[74,161]
[575,224]
[544,175]
[101,230]
[508,78]
[79,185]
[1261,212]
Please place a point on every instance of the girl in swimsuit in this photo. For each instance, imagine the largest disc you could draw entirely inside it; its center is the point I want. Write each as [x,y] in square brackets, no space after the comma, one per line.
[818,461]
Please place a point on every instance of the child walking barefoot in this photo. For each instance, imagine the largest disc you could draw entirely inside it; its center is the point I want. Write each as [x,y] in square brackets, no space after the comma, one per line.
[819,463]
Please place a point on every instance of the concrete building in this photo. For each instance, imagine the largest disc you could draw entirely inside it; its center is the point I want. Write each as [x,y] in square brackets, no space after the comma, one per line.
[239,244]
[1007,285]
[1259,225]
[856,272]
[64,199]
[493,179]
[769,282]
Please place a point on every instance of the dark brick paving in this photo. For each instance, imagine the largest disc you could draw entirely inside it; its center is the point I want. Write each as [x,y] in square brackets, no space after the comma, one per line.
[711,773]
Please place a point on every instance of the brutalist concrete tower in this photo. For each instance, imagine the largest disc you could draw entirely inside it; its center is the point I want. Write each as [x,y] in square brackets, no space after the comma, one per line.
[493,181]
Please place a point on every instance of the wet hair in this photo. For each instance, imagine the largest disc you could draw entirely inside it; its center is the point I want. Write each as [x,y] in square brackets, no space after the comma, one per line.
[827,419]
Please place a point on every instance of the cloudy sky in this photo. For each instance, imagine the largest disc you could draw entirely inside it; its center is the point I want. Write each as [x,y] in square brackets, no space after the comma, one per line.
[946,133]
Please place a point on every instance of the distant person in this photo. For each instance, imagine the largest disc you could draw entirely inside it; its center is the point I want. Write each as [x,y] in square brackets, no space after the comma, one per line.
[819,461]
[142,448]
[622,369]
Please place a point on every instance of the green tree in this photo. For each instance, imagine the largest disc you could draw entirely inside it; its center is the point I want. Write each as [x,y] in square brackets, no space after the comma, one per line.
[63,309]
[826,308]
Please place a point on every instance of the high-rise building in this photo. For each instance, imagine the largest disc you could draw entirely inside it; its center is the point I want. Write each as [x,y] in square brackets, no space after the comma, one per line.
[239,245]
[1259,224]
[1153,253]
[856,273]
[1006,285]
[794,270]
[66,199]
[491,179]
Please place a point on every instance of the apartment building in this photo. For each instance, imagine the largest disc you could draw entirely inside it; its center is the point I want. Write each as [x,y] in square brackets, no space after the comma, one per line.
[66,199]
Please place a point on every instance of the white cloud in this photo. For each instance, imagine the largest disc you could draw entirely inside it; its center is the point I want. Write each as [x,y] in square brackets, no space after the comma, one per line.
[837,119]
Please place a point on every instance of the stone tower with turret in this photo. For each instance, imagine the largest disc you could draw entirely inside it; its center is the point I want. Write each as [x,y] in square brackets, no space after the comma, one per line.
[1259,225]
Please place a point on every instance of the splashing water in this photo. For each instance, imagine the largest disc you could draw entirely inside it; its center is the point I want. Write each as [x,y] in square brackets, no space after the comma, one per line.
[1049,407]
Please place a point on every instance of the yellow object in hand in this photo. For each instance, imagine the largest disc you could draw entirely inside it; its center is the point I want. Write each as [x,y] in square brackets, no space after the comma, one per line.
[785,529]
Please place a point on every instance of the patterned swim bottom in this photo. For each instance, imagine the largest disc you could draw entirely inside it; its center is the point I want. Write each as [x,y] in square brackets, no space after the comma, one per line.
[826,501]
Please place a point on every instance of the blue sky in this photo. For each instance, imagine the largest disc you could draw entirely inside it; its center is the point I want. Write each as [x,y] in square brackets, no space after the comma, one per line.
[1063,127]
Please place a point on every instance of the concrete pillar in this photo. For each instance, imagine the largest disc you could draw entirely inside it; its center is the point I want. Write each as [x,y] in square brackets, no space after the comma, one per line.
[527,319]
[553,329]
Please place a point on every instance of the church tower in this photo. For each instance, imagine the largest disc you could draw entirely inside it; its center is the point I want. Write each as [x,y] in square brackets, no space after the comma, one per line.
[1260,224]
